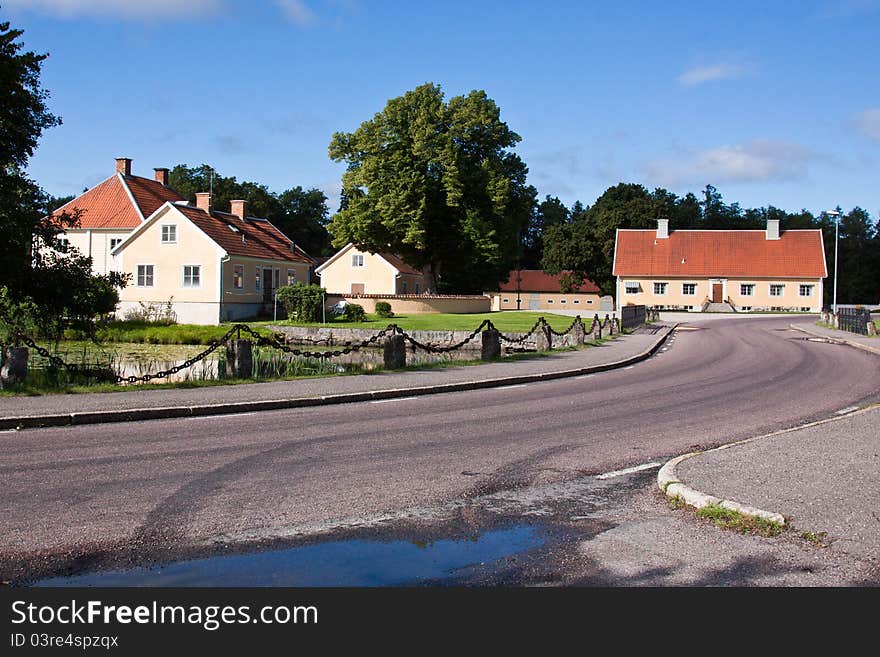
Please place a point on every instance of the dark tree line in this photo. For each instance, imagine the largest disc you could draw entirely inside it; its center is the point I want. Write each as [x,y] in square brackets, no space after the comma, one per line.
[581,238]
[301,214]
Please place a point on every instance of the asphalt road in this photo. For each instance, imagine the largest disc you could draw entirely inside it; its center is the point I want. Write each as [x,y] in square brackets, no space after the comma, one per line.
[78,497]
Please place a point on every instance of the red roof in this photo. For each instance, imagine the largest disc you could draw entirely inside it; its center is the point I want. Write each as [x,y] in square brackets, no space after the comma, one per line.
[109,205]
[535,280]
[703,253]
[261,238]
[400,265]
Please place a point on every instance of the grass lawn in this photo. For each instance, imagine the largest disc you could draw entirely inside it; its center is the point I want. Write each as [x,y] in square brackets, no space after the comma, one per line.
[508,322]
[511,321]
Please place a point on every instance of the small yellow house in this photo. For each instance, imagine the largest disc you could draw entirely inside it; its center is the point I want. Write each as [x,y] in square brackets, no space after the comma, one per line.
[352,272]
[534,289]
[211,266]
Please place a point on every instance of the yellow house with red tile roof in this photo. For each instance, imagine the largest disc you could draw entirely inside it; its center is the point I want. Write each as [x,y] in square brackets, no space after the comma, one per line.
[112,209]
[352,271]
[721,270]
[210,266]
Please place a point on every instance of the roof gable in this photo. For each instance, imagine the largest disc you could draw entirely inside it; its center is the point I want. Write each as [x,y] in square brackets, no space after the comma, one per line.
[395,262]
[120,202]
[706,253]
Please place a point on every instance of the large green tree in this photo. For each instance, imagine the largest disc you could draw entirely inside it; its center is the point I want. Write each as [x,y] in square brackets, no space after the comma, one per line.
[436,182]
[301,214]
[42,289]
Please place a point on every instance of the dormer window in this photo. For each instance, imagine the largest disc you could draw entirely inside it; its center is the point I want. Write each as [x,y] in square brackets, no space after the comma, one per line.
[169,234]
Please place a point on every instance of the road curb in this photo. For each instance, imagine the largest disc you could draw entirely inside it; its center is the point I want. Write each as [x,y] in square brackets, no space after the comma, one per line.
[669,482]
[837,340]
[228,408]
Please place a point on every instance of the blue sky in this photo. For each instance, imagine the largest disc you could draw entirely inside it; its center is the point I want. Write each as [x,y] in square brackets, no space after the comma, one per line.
[773,102]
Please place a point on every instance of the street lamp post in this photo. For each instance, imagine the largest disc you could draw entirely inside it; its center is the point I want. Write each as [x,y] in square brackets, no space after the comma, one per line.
[836,215]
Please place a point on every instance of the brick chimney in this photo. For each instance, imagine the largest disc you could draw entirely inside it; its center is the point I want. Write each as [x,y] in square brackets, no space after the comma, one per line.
[662,229]
[773,229]
[239,209]
[123,165]
[161,175]
[203,201]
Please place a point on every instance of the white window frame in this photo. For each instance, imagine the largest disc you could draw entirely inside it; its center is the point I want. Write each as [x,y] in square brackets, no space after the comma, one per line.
[744,286]
[114,242]
[781,287]
[195,276]
[684,291]
[172,229]
[357,260]
[236,269]
[660,288]
[291,276]
[258,279]
[137,274]
[631,287]
[418,288]
[801,287]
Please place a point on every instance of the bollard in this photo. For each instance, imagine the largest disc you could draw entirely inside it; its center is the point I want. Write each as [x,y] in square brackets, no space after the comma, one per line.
[491,344]
[577,333]
[544,339]
[15,364]
[239,359]
[394,353]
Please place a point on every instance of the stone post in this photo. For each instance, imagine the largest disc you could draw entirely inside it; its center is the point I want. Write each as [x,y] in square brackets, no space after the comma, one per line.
[491,344]
[544,338]
[394,353]
[239,359]
[15,362]
[577,333]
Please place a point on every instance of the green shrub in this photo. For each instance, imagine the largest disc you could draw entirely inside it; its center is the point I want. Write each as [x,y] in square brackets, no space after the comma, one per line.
[383,309]
[354,313]
[303,303]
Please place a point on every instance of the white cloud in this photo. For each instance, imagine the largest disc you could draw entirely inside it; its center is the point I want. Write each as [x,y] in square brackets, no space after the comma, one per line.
[703,74]
[124,9]
[759,160]
[868,123]
[297,11]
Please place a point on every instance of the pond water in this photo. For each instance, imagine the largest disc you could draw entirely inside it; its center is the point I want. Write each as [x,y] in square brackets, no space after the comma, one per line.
[356,562]
[135,359]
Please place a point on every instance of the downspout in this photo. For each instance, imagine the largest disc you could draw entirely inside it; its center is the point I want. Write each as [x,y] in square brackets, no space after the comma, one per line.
[220,289]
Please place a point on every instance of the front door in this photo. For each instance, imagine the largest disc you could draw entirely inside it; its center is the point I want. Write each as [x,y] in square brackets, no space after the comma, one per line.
[268,285]
[716,292]
[534,301]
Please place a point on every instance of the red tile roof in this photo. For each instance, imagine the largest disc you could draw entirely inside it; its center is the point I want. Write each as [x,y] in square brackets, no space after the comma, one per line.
[535,280]
[703,253]
[108,204]
[400,265]
[261,238]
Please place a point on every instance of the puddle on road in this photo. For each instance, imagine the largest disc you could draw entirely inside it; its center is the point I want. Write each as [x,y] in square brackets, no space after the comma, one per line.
[357,562]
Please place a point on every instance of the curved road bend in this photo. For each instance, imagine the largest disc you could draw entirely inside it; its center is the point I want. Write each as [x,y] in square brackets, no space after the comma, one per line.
[71,493]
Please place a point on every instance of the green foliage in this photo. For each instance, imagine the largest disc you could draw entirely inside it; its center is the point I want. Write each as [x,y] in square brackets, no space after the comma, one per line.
[436,183]
[160,314]
[299,213]
[44,291]
[742,523]
[303,303]
[383,310]
[354,312]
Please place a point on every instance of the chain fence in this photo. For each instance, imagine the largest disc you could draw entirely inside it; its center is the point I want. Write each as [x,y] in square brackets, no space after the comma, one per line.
[256,338]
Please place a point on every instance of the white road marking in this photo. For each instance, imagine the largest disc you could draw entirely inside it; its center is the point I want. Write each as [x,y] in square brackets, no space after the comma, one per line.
[584,376]
[629,367]
[517,385]
[626,471]
[220,416]
[393,399]
[848,409]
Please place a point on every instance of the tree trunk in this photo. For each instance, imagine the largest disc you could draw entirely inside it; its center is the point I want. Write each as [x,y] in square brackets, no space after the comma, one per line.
[432,276]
